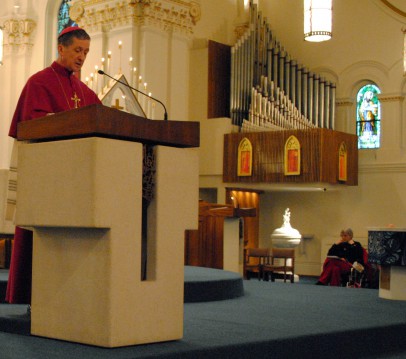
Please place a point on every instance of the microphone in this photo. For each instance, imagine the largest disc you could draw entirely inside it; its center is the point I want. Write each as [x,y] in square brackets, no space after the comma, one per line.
[101,72]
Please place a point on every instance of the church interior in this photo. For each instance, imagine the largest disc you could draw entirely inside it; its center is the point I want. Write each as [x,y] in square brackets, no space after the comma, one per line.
[281,132]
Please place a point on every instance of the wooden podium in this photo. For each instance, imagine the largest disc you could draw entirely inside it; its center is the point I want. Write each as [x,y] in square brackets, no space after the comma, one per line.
[80,191]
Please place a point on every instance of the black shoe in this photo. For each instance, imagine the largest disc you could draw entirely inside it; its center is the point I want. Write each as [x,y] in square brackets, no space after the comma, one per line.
[319,283]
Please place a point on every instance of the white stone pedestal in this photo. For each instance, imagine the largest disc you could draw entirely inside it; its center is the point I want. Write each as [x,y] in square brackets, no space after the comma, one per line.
[82,198]
[392,283]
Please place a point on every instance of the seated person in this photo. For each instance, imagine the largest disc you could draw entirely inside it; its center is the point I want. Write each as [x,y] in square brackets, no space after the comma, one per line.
[340,258]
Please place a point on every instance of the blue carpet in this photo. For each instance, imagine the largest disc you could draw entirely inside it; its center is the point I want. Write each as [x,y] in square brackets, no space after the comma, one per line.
[272,320]
[3,275]
[205,285]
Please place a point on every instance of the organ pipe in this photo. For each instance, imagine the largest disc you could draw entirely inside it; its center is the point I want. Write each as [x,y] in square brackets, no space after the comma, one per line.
[270,90]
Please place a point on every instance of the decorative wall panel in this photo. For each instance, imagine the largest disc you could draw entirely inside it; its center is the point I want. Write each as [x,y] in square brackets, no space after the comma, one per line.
[319,157]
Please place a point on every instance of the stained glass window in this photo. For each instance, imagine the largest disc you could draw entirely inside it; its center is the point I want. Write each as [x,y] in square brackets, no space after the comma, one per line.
[63,16]
[368,117]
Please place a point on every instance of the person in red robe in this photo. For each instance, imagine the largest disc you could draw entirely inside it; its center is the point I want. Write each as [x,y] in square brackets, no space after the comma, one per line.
[57,88]
[340,259]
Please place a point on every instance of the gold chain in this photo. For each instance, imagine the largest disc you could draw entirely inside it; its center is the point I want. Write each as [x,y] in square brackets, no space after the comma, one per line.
[75,98]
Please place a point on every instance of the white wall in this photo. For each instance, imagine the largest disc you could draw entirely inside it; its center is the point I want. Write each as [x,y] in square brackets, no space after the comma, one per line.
[367,44]
[217,21]
[20,62]
[363,31]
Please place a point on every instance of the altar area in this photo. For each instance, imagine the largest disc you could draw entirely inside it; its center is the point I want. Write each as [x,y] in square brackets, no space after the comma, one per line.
[387,248]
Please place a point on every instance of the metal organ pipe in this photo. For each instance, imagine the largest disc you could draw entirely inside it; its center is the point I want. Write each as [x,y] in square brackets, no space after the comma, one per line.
[299,89]
[315,104]
[332,102]
[292,87]
[281,72]
[287,76]
[275,66]
[270,90]
[327,104]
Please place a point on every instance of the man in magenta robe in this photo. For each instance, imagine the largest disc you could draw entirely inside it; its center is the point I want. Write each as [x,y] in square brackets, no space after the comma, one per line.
[55,89]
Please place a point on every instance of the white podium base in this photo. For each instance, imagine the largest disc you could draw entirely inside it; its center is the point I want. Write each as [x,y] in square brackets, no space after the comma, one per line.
[83,200]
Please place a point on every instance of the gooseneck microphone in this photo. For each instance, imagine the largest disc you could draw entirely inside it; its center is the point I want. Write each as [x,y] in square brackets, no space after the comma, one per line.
[101,72]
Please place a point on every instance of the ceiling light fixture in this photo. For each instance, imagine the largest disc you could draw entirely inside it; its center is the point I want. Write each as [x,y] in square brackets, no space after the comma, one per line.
[317,20]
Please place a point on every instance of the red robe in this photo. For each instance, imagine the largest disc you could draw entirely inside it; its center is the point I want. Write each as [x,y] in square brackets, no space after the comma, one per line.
[48,91]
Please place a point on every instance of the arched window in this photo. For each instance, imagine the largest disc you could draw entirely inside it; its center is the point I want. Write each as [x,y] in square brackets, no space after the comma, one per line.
[368,117]
[63,16]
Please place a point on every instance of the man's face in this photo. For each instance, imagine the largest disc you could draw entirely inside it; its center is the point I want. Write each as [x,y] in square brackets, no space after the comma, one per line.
[73,56]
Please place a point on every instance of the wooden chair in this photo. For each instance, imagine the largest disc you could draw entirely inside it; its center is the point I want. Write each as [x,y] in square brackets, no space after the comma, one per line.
[254,260]
[282,262]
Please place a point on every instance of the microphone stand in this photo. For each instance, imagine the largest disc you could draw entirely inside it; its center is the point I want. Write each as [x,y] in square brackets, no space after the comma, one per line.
[101,72]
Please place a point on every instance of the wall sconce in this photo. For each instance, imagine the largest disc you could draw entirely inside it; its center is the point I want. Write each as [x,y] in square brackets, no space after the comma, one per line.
[1,46]
[317,20]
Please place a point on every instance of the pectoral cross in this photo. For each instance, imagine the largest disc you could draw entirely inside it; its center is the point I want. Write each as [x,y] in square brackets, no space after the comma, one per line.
[76,100]
[117,105]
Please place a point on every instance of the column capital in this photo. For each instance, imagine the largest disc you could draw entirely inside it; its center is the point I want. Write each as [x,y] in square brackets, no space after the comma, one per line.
[18,34]
[170,15]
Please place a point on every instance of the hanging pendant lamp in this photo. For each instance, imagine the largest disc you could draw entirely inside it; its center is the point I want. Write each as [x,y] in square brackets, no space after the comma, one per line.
[317,20]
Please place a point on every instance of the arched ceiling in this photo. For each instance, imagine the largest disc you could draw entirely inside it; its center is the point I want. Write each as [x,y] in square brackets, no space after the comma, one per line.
[398,6]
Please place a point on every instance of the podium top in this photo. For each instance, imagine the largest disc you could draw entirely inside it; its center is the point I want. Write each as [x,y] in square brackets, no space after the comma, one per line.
[101,121]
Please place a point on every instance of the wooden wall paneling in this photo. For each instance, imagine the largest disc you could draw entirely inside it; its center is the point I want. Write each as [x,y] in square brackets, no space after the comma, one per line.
[192,250]
[213,255]
[219,73]
[205,248]
[247,199]
[319,157]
